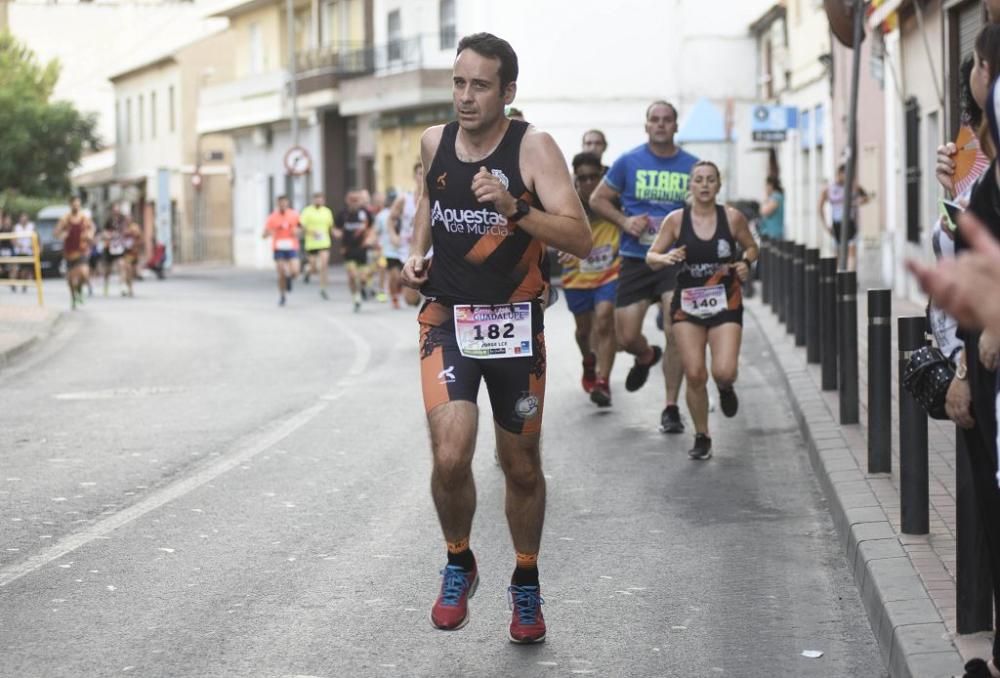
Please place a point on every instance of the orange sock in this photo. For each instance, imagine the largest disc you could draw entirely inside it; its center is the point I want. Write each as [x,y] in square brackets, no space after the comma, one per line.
[527,561]
[458,546]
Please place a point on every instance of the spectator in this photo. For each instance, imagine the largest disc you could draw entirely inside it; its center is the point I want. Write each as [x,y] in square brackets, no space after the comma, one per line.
[772,212]
[23,247]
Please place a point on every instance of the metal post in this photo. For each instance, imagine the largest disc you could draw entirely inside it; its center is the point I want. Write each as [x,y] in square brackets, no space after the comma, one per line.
[782,281]
[772,273]
[847,345]
[828,321]
[800,295]
[293,89]
[790,285]
[974,587]
[812,306]
[764,269]
[852,134]
[914,481]
[879,381]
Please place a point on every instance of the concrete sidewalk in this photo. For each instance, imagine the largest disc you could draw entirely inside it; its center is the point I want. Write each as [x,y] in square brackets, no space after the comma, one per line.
[22,326]
[907,583]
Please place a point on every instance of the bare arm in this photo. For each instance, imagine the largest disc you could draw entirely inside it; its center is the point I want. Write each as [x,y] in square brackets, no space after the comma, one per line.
[564,223]
[822,215]
[393,221]
[769,207]
[658,256]
[602,201]
[415,268]
[741,232]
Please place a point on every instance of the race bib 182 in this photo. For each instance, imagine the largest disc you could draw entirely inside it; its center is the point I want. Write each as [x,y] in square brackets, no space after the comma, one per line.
[487,332]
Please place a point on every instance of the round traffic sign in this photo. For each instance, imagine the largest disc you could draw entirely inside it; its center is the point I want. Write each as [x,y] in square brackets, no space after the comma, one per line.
[297,160]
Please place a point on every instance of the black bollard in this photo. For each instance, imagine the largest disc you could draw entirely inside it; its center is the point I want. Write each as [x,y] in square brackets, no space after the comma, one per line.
[847,346]
[782,282]
[973,583]
[790,297]
[914,493]
[812,306]
[879,381]
[828,321]
[764,269]
[800,295]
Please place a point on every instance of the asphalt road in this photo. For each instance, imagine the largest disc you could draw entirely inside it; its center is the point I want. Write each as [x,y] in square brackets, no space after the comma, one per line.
[196,482]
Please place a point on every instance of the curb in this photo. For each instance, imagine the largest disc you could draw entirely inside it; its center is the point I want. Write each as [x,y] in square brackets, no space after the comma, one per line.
[7,356]
[911,634]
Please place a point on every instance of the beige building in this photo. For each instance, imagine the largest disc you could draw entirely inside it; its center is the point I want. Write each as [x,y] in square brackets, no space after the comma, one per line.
[155,114]
[254,107]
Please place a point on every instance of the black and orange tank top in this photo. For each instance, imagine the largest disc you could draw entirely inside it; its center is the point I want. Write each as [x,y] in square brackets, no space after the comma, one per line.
[707,262]
[479,258]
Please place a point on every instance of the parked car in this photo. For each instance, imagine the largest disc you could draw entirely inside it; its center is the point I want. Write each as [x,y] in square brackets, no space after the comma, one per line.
[52,248]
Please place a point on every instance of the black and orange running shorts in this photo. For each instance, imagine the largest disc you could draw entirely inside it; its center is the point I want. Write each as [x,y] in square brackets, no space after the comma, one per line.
[516,385]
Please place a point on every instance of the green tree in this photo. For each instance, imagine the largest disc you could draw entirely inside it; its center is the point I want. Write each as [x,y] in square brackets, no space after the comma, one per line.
[40,140]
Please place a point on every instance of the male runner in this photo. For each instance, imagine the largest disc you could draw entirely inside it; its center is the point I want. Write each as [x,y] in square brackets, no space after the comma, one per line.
[486,179]
[353,228]
[590,285]
[283,229]
[401,232]
[76,231]
[651,181]
[594,142]
[112,245]
[132,243]
[317,222]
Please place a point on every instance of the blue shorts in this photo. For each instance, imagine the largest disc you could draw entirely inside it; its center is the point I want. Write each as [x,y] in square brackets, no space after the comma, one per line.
[286,255]
[584,301]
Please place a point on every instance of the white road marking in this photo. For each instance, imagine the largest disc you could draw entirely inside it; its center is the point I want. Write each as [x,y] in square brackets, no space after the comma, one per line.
[250,448]
[108,394]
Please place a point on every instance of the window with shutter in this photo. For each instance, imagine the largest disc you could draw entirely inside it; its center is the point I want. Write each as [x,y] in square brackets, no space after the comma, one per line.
[913,207]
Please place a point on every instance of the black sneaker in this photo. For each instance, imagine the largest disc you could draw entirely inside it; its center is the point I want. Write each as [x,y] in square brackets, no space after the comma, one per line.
[702,449]
[729,402]
[670,420]
[639,373]
[288,283]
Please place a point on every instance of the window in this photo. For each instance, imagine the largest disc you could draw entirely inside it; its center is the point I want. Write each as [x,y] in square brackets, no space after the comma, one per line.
[395,30]
[128,121]
[914,210]
[446,22]
[142,118]
[152,115]
[256,50]
[118,123]
[171,115]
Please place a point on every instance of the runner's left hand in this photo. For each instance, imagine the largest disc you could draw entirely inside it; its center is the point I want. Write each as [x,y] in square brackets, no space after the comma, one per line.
[489,189]
[742,269]
[566,259]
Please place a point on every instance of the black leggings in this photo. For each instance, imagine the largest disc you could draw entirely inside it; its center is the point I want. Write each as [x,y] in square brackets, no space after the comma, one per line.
[981,446]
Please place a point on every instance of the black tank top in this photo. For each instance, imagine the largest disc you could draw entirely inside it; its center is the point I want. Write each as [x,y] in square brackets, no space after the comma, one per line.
[479,257]
[707,261]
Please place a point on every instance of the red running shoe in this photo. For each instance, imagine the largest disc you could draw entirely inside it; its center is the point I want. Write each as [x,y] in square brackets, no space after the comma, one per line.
[601,393]
[527,625]
[451,609]
[589,373]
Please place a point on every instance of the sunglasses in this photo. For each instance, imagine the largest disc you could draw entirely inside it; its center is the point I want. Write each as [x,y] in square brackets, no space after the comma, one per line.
[588,177]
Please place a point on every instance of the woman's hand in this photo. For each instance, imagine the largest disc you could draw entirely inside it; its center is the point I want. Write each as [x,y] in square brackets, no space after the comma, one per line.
[742,269]
[657,261]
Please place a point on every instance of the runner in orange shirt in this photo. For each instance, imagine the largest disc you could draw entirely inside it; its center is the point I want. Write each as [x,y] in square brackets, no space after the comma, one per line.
[283,229]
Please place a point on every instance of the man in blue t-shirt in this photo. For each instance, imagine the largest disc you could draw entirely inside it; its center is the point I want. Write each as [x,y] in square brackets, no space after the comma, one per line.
[649,182]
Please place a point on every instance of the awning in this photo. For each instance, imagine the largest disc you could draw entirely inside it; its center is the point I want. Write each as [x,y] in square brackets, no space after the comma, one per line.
[705,122]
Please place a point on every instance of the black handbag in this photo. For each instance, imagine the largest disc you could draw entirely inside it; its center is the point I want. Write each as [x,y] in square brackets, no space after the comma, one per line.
[927,376]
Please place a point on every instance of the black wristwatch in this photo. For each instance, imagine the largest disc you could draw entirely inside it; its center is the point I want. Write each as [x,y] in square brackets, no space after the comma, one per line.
[520,211]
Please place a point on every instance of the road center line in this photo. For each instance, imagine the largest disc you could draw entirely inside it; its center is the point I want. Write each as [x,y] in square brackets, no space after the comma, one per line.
[251,447]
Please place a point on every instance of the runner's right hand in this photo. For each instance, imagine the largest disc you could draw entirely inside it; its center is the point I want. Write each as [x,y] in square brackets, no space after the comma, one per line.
[945,170]
[636,225]
[415,272]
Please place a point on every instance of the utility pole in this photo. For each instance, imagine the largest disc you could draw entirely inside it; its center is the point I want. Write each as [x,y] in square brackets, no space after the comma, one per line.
[293,88]
[852,135]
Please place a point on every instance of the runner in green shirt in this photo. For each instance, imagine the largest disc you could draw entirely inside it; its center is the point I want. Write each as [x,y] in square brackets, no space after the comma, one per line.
[317,222]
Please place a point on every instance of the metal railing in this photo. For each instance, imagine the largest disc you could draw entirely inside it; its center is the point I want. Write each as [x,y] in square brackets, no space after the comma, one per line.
[34,258]
[351,60]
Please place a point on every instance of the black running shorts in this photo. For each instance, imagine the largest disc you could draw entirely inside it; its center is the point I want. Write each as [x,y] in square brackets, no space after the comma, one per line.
[516,385]
[638,282]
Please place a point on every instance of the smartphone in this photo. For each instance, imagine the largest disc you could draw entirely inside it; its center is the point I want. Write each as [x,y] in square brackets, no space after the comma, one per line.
[951,211]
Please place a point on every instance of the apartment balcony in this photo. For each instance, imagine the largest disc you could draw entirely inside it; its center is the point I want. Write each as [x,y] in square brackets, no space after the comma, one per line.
[324,67]
[245,103]
[406,73]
